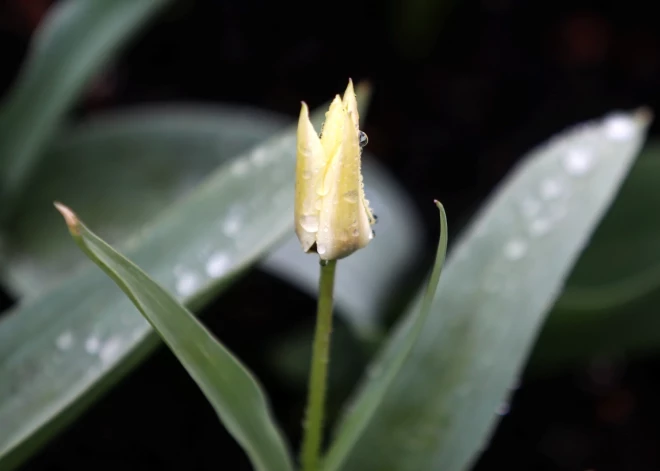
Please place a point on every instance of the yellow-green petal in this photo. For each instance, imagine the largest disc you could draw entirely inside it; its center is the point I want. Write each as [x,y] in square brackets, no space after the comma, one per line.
[310,165]
[344,222]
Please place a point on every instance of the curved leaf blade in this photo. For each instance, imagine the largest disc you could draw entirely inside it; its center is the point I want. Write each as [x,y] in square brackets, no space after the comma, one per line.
[609,304]
[75,41]
[228,385]
[497,286]
[393,358]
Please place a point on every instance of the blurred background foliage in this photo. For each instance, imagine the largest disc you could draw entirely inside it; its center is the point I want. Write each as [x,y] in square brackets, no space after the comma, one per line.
[461,89]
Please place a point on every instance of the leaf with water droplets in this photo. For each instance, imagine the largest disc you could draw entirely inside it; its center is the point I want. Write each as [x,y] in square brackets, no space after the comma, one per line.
[184,247]
[609,304]
[227,384]
[501,279]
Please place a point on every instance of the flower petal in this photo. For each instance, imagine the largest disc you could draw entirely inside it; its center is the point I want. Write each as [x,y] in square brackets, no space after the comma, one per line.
[344,222]
[350,104]
[310,165]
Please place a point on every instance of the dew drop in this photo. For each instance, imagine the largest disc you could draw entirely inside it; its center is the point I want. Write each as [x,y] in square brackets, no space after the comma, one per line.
[259,156]
[240,167]
[92,345]
[186,284]
[540,226]
[326,229]
[530,207]
[320,249]
[232,224]
[619,127]
[217,264]
[515,249]
[503,409]
[307,175]
[110,350]
[551,189]
[309,222]
[372,234]
[364,139]
[64,341]
[578,162]
[351,196]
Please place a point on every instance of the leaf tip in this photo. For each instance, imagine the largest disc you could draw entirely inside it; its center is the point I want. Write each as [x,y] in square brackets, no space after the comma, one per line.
[70,218]
[439,205]
[643,115]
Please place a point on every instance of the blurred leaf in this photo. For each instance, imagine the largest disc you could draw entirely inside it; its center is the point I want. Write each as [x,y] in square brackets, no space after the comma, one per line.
[155,156]
[122,168]
[609,305]
[229,386]
[60,350]
[500,281]
[75,40]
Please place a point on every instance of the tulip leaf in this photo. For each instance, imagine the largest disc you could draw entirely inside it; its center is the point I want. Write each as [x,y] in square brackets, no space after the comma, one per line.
[229,386]
[158,154]
[63,347]
[75,40]
[500,280]
[609,304]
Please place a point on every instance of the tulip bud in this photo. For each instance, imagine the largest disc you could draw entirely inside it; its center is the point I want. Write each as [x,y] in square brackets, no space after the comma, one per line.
[332,216]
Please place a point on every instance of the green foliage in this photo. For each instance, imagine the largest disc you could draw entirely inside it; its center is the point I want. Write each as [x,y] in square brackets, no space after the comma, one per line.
[196,197]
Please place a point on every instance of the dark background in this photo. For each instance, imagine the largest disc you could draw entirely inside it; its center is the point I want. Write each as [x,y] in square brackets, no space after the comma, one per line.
[461,90]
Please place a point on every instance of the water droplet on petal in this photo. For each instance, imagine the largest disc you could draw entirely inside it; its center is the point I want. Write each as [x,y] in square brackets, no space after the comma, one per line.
[578,162]
[309,222]
[320,249]
[307,175]
[364,139]
[351,196]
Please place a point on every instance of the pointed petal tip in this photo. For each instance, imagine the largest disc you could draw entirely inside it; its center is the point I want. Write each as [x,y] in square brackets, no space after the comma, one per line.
[69,216]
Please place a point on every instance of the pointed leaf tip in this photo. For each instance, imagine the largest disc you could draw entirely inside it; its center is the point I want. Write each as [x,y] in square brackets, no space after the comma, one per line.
[70,218]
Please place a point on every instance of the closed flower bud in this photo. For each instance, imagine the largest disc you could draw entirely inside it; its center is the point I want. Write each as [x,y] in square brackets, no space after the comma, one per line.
[332,216]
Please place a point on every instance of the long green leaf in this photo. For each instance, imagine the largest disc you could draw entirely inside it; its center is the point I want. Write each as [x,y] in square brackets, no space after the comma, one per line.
[500,280]
[60,350]
[77,38]
[609,305]
[228,385]
[159,153]
[102,167]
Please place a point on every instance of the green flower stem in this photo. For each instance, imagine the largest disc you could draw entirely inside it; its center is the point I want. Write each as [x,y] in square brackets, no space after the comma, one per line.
[318,377]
